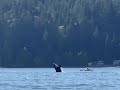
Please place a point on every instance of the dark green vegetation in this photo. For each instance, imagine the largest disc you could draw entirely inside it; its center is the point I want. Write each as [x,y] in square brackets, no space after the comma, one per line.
[36,33]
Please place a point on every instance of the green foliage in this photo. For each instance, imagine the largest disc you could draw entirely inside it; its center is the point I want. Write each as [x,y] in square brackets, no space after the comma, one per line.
[36,33]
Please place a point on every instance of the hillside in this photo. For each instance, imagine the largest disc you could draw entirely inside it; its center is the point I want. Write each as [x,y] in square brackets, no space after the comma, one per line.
[36,33]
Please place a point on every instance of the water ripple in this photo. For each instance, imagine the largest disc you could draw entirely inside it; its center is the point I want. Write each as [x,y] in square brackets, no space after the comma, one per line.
[47,79]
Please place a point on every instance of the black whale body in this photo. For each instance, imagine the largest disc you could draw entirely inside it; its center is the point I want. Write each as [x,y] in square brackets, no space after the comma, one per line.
[57,67]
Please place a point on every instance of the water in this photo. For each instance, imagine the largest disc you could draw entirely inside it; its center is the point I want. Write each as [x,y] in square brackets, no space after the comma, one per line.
[70,79]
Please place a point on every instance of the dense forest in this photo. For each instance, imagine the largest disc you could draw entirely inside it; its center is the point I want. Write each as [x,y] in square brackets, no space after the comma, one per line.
[36,33]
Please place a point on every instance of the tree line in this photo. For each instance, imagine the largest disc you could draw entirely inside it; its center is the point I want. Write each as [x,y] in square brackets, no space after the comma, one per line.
[36,33]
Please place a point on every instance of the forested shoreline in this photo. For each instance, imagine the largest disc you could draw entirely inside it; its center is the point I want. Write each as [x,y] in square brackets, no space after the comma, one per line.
[36,33]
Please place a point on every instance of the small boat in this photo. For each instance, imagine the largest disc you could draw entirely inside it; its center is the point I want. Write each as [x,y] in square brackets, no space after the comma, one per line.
[87,69]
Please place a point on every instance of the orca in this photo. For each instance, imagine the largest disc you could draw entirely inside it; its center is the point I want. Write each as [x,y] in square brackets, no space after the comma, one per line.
[57,67]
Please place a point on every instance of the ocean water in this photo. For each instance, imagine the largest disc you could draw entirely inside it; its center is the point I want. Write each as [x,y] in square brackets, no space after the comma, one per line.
[70,79]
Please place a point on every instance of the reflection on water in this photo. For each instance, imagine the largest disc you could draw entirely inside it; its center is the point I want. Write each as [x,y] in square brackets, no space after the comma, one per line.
[70,79]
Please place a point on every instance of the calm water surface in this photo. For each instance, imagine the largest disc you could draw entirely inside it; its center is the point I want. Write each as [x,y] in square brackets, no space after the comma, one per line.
[69,79]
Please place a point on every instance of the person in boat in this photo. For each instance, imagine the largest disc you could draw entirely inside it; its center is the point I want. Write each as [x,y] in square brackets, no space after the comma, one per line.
[88,69]
[57,67]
